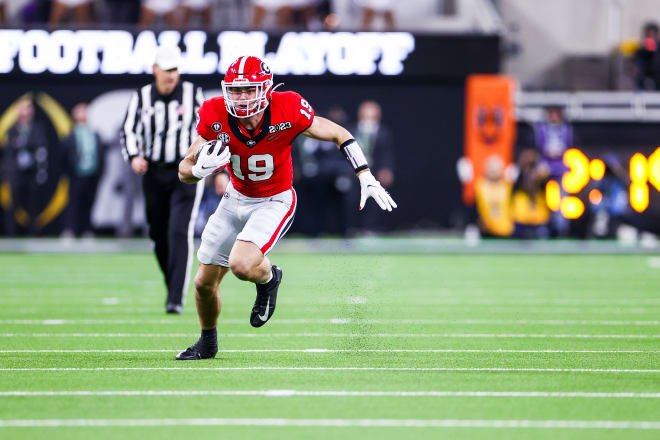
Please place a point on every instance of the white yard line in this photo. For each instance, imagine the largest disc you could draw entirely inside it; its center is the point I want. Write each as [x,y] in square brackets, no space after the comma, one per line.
[275,368]
[424,300]
[309,393]
[341,321]
[328,350]
[313,308]
[370,423]
[340,335]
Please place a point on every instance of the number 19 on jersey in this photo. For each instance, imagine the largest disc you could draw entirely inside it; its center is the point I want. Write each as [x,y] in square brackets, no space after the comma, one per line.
[261,165]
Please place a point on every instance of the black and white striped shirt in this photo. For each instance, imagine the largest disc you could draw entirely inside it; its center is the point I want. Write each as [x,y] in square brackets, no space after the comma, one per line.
[161,128]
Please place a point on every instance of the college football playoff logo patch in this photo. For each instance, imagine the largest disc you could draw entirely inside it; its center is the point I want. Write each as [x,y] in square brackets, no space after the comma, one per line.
[223,137]
[216,126]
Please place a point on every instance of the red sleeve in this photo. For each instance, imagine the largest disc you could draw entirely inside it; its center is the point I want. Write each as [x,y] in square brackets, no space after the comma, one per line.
[204,115]
[303,113]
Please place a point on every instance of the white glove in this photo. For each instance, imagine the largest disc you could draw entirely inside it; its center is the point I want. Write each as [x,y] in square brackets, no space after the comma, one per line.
[370,187]
[210,158]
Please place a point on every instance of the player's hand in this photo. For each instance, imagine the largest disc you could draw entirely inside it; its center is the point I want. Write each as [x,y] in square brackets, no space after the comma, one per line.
[370,187]
[210,158]
[139,165]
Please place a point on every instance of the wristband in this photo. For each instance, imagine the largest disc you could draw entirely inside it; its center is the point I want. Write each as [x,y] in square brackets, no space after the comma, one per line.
[354,155]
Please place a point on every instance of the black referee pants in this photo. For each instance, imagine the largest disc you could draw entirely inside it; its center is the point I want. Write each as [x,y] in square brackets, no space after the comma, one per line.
[171,212]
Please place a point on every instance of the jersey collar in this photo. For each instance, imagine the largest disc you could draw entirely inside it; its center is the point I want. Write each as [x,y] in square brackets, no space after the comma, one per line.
[250,142]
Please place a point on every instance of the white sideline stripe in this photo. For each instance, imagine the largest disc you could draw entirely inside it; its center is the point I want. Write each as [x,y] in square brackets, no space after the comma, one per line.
[267,368]
[304,393]
[328,350]
[115,309]
[341,321]
[371,423]
[335,335]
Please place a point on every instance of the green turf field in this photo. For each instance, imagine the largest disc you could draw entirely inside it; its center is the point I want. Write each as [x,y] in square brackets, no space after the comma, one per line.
[361,346]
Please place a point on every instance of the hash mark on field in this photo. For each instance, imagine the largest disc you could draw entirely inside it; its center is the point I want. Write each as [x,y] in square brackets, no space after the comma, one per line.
[309,393]
[654,262]
[400,423]
[270,368]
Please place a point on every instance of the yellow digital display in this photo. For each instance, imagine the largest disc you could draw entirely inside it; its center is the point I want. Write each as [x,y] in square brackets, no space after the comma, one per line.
[553,195]
[643,171]
[639,190]
[577,175]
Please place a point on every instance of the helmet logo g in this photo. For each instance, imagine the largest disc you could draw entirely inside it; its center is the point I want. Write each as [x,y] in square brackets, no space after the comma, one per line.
[265,68]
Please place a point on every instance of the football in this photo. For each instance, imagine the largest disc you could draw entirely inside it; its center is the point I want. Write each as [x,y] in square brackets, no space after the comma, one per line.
[214,146]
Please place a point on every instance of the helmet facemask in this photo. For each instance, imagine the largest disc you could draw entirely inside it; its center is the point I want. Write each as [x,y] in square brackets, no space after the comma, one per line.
[243,103]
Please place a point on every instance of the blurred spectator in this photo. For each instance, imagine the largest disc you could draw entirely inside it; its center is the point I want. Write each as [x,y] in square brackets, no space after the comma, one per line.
[192,8]
[86,154]
[378,146]
[214,189]
[529,209]
[374,8]
[609,199]
[26,169]
[376,141]
[153,10]
[285,12]
[35,11]
[129,185]
[2,12]
[124,11]
[553,137]
[493,200]
[324,181]
[646,60]
[78,10]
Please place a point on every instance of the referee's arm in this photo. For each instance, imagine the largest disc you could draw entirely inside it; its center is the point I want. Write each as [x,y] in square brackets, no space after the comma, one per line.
[131,136]
[185,166]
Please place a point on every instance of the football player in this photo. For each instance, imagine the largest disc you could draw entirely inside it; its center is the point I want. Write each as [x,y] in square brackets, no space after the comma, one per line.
[250,129]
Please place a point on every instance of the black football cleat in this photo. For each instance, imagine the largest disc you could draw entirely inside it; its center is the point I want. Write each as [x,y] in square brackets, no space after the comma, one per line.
[199,350]
[264,305]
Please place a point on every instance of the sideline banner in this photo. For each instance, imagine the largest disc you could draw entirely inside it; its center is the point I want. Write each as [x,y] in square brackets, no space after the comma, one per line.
[115,52]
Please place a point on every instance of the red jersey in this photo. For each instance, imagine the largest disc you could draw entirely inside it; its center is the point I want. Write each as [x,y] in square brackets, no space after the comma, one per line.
[260,161]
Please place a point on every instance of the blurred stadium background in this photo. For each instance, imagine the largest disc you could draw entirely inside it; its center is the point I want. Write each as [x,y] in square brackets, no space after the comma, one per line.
[458,83]
[499,127]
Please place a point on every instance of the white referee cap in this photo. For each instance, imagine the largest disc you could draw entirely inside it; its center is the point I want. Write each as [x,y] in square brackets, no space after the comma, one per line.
[168,57]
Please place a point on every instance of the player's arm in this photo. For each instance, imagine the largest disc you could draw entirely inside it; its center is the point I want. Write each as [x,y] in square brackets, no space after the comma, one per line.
[188,162]
[326,130]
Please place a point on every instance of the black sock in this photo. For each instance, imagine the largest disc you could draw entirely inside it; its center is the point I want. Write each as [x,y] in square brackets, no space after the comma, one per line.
[210,336]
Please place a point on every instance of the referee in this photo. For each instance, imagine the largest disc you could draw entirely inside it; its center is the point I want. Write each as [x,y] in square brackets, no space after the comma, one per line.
[158,129]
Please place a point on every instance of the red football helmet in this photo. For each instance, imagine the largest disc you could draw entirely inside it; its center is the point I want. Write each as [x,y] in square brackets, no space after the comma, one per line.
[247,87]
